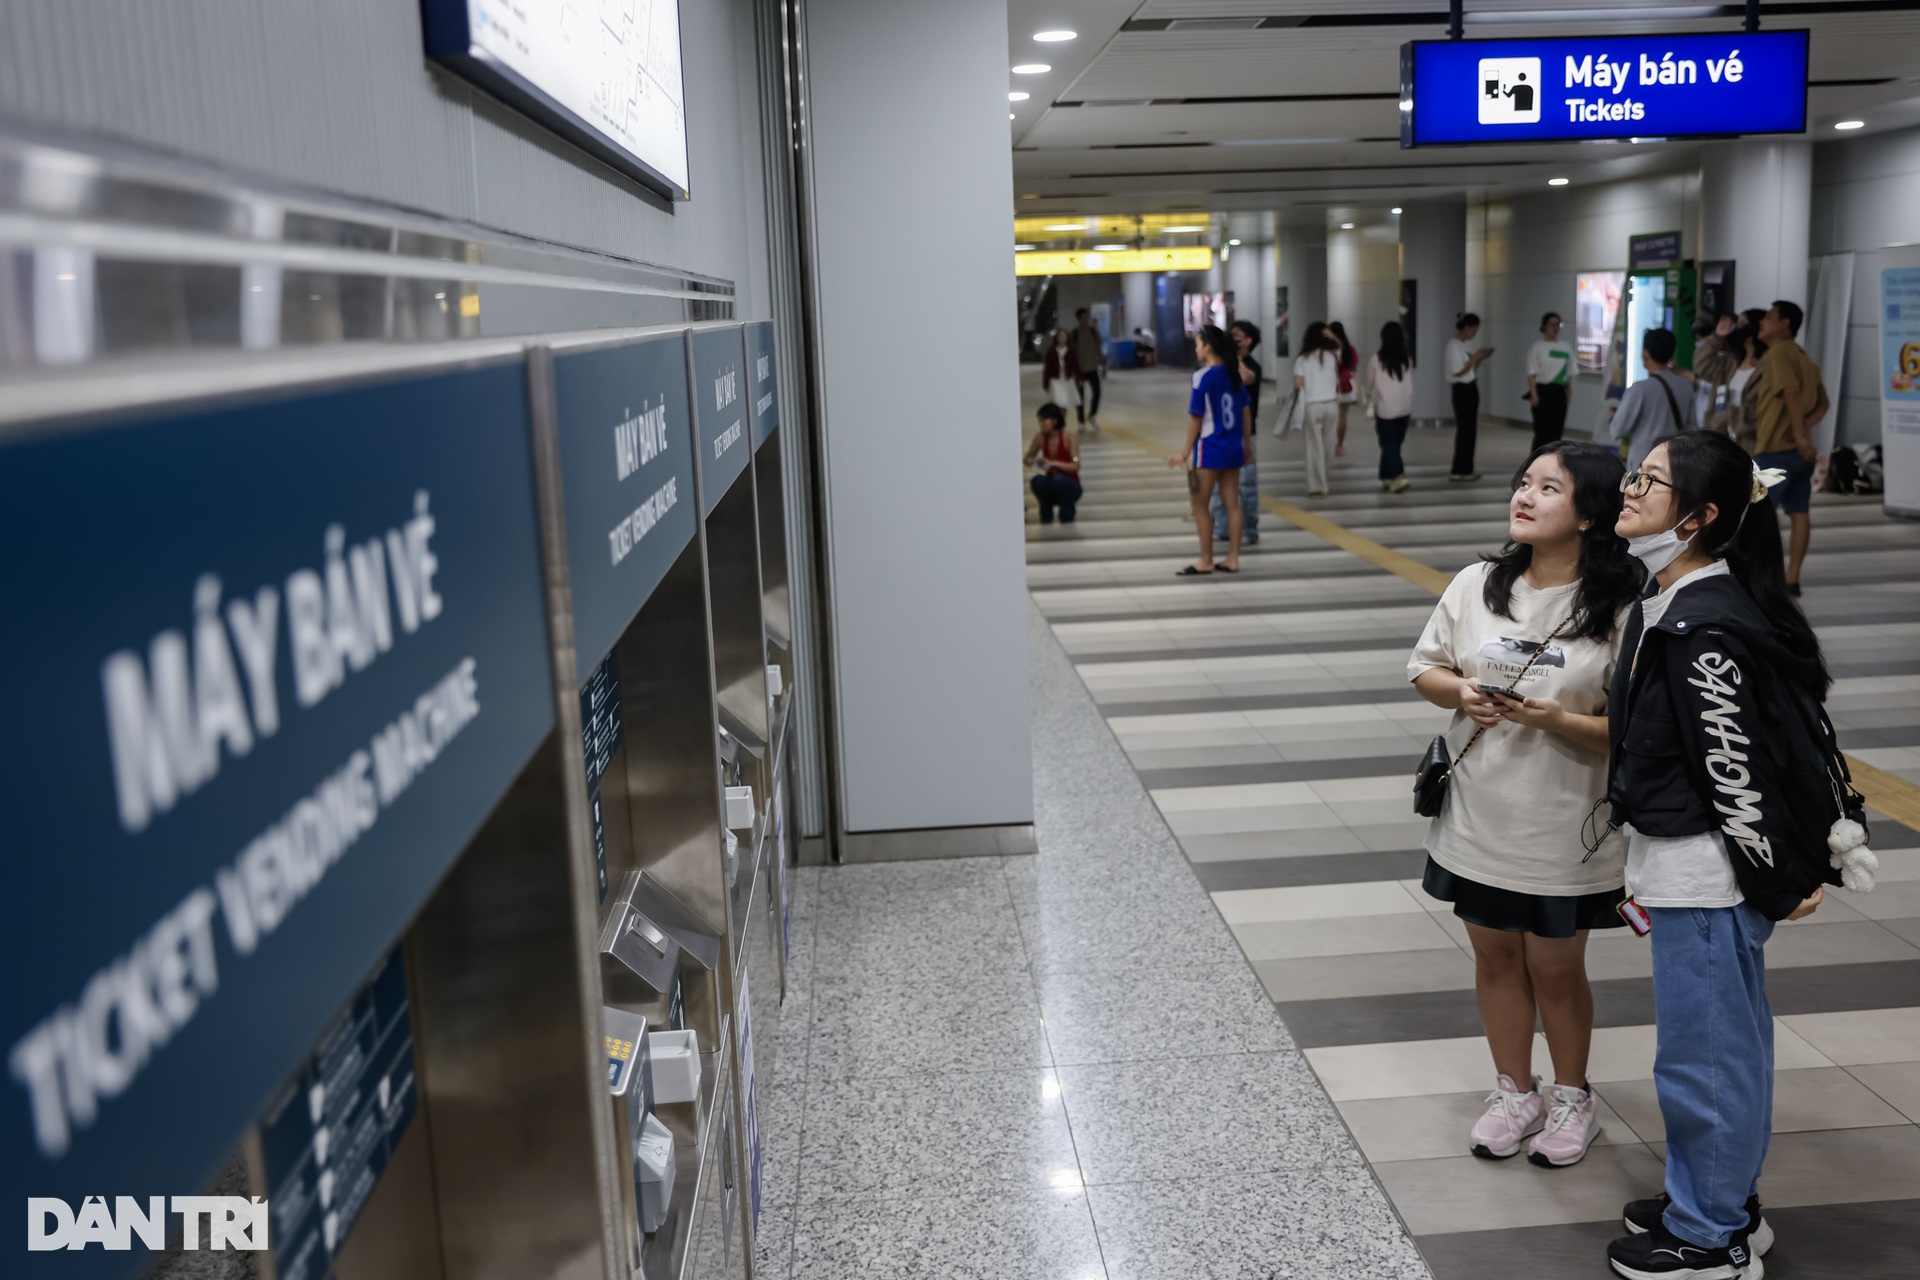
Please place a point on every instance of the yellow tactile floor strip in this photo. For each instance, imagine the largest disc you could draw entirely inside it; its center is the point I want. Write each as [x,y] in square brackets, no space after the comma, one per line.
[1893,796]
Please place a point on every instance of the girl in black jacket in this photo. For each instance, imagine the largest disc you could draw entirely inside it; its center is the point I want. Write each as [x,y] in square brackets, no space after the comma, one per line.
[1717,741]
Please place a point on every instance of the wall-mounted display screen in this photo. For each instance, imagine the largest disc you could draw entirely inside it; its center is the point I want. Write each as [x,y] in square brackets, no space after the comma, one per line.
[605,74]
[1597,301]
[1583,87]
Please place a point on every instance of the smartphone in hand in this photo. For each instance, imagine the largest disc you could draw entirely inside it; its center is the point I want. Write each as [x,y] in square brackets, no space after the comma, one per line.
[1497,691]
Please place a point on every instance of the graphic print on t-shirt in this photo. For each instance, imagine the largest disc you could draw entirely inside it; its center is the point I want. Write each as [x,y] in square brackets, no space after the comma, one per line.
[1502,658]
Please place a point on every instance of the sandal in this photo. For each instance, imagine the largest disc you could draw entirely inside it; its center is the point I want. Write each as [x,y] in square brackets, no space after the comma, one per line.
[1194,571]
[1224,568]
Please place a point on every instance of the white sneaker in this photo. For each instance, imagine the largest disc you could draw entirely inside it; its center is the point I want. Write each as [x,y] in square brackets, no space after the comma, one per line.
[1511,1117]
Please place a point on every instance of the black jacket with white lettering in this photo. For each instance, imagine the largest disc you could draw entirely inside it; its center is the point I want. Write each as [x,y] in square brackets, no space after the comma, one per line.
[1716,725]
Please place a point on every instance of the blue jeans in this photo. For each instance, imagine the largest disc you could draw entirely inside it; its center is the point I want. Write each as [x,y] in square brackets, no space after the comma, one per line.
[1392,433]
[1713,1069]
[1249,507]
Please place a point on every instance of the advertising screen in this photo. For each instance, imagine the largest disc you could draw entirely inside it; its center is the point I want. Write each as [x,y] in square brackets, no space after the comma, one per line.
[1596,302]
[605,74]
[1576,88]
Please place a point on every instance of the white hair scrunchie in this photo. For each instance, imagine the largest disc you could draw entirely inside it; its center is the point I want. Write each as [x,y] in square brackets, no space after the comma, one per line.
[1763,481]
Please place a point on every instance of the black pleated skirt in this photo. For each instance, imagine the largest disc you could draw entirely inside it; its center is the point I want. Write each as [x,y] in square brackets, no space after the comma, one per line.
[1514,912]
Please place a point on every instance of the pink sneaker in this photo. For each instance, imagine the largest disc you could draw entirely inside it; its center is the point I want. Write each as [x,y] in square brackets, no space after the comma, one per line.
[1511,1116]
[1573,1122]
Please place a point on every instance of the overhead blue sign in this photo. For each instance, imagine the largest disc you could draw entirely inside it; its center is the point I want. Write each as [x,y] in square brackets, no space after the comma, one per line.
[765,386]
[720,385]
[270,662]
[626,467]
[1576,88]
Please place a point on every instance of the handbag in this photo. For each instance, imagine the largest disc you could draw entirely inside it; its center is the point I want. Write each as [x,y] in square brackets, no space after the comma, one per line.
[1435,770]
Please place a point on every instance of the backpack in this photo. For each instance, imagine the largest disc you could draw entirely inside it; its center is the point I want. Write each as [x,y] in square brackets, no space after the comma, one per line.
[1843,471]
[1839,802]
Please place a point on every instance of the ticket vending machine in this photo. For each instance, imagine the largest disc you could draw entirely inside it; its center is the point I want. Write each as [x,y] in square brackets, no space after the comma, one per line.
[1664,299]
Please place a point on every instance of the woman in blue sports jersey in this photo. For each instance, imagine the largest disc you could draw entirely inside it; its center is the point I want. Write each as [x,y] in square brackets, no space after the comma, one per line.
[1217,446]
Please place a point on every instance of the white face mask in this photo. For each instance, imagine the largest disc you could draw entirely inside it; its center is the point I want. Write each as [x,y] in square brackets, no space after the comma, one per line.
[1658,550]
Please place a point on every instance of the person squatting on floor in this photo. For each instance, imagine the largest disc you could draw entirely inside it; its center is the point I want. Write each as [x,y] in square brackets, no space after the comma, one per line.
[1726,773]
[1057,454]
[1246,336]
[1216,447]
[1523,645]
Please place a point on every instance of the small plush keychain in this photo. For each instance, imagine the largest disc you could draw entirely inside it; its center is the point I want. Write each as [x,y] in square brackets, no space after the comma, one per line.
[1851,858]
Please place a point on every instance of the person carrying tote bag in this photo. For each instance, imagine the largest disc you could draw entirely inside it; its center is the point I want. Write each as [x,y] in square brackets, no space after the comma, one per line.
[1523,645]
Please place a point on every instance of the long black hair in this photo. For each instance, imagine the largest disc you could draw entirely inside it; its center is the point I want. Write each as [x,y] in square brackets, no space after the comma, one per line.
[1610,579]
[1220,344]
[1708,467]
[1393,350]
[1339,332]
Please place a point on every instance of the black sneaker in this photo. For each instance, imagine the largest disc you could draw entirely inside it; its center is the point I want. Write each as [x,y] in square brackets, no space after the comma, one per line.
[1464,477]
[1660,1255]
[1642,1216]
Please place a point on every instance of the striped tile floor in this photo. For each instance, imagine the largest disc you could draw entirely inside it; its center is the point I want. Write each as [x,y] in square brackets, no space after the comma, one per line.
[1270,718]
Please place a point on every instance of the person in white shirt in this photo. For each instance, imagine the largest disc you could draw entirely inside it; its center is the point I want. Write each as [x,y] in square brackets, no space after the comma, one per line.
[1390,395]
[1316,380]
[1539,623]
[1463,365]
[1550,365]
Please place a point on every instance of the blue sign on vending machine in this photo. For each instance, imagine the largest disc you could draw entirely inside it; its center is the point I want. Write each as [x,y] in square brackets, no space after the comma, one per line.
[1587,87]
[720,385]
[270,661]
[761,378]
[626,467]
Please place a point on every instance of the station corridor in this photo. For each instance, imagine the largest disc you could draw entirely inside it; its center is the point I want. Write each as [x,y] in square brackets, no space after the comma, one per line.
[1269,718]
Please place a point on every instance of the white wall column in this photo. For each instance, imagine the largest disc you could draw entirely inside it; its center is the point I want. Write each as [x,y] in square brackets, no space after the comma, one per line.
[1433,252]
[1756,207]
[925,573]
[1303,270]
[1136,287]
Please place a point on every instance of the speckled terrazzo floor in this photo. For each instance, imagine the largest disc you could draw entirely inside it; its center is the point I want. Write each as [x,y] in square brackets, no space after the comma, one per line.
[1068,1071]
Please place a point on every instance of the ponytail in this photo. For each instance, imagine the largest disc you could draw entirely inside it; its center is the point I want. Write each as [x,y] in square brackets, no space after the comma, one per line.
[1711,468]
[1217,342]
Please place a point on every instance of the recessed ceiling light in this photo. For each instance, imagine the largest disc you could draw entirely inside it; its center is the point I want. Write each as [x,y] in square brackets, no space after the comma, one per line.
[1179,231]
[1021,248]
[1012,116]
[1032,69]
[1018,96]
[1054,37]
[1556,182]
[1233,242]
[1850,124]
[1346,226]
[1395,209]
[1111,248]
[1066,226]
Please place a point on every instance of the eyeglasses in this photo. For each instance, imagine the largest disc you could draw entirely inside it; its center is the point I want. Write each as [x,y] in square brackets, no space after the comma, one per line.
[1638,484]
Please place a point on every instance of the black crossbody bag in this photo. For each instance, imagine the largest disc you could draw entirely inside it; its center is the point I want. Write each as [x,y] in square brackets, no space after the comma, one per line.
[1435,770]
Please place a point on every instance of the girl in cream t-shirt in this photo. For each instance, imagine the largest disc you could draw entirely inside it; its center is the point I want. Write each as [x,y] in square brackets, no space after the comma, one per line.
[1522,648]
[1517,801]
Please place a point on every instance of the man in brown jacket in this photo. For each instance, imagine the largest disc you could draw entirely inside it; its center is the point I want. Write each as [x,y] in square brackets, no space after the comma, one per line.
[1789,401]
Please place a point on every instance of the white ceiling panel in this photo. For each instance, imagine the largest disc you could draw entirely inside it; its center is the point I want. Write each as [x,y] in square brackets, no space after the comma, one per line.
[1301,142]
[1215,122]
